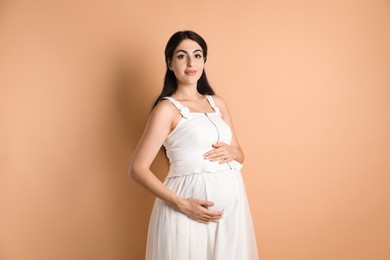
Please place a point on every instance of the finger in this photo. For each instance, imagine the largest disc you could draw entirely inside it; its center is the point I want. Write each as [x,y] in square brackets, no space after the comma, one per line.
[211,152]
[215,218]
[219,158]
[214,155]
[210,218]
[201,220]
[213,213]
[208,212]
[219,144]
[205,203]
[207,218]
[215,150]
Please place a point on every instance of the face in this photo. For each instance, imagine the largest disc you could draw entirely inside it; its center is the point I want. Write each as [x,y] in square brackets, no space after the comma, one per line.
[187,63]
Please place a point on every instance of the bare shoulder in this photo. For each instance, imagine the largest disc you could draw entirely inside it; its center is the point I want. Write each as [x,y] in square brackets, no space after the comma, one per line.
[165,114]
[164,108]
[220,103]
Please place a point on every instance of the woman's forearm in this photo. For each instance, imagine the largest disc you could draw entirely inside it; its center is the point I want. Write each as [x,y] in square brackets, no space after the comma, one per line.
[150,182]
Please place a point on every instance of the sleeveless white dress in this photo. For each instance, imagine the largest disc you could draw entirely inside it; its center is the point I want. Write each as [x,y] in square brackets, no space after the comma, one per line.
[174,236]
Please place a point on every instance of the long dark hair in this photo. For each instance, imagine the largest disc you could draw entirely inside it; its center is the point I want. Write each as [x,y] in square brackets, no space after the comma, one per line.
[170,83]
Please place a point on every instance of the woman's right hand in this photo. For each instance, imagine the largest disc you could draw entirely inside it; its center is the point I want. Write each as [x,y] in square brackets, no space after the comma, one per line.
[197,210]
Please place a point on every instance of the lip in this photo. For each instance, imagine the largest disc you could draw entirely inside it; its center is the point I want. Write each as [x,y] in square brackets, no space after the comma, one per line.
[190,72]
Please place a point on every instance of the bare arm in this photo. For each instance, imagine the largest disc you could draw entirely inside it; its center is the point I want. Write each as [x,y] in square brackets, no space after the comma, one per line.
[160,122]
[223,152]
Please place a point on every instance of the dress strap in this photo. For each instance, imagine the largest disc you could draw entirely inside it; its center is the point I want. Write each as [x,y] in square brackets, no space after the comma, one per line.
[183,110]
[212,103]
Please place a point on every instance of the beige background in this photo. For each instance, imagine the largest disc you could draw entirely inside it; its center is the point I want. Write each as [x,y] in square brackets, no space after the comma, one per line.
[307,83]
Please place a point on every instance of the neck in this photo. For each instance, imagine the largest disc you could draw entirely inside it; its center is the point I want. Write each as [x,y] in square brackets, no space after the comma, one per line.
[187,92]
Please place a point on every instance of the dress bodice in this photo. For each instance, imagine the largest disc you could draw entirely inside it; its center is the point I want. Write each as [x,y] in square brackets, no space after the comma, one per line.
[194,136]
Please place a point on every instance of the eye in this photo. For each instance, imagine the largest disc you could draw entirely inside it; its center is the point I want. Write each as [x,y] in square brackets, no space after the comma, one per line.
[180,56]
[198,56]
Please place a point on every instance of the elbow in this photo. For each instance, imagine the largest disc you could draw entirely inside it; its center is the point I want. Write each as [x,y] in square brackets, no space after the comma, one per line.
[131,171]
[134,172]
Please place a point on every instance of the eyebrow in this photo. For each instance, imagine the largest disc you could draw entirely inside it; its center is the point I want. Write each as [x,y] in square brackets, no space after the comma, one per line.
[187,51]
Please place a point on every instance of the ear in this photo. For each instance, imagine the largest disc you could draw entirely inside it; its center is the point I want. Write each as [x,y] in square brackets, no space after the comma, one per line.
[169,64]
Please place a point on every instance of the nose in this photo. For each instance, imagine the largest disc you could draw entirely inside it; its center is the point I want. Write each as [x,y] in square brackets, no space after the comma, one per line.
[189,61]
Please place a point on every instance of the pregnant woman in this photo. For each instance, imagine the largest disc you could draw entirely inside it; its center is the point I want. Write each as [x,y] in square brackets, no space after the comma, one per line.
[201,210]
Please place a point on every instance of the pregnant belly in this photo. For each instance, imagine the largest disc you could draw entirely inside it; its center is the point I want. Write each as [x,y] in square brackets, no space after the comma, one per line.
[222,188]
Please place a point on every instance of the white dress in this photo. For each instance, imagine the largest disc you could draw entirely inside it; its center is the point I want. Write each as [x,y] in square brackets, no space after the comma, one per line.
[174,236]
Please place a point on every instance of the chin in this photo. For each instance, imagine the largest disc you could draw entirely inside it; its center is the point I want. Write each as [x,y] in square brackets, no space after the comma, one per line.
[189,82]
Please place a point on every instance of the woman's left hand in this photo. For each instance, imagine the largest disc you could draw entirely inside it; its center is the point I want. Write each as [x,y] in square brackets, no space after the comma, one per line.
[222,152]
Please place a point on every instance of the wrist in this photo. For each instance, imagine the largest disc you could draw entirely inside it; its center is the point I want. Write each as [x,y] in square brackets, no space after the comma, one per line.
[177,203]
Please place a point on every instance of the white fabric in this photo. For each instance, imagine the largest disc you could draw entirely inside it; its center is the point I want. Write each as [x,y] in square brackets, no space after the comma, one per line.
[174,236]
